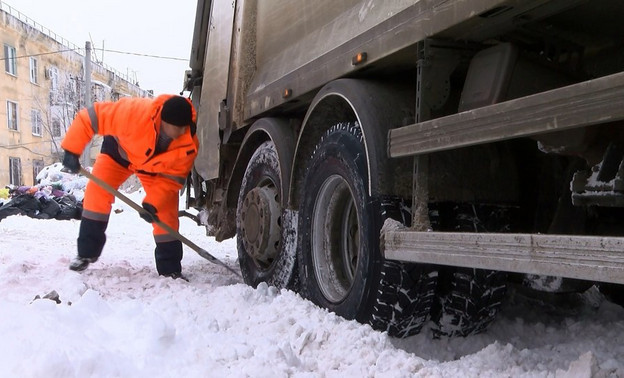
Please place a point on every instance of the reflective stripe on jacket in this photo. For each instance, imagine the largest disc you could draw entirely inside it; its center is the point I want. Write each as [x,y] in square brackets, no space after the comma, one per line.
[134,123]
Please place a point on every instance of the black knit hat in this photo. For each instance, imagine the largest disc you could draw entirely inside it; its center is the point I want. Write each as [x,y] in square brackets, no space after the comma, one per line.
[177,111]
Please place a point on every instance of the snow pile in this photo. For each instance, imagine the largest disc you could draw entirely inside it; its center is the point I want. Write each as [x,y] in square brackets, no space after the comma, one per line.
[119,318]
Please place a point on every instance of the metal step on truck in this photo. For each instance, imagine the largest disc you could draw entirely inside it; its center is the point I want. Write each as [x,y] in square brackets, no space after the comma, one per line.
[397,162]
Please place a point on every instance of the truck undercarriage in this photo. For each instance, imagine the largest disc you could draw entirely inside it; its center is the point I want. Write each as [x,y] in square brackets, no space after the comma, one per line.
[414,168]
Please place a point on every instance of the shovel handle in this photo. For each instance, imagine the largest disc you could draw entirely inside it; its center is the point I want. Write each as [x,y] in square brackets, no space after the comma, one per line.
[202,252]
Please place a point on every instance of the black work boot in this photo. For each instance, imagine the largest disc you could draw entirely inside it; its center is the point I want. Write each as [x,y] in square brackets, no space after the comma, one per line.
[91,239]
[168,258]
[176,275]
[79,264]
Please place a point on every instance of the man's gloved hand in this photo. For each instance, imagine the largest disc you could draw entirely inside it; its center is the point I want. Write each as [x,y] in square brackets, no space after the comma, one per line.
[71,162]
[149,215]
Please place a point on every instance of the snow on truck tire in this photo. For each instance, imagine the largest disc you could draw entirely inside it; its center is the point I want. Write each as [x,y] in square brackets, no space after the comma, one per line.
[265,233]
[470,303]
[340,265]
[468,299]
[405,297]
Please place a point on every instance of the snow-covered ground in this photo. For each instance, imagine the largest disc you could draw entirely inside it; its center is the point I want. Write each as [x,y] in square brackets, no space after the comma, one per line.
[120,319]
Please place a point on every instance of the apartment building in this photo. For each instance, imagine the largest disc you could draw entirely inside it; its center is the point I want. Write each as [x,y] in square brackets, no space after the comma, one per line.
[41,90]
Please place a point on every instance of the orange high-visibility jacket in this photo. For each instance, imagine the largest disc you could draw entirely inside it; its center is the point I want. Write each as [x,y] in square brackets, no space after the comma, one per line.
[135,123]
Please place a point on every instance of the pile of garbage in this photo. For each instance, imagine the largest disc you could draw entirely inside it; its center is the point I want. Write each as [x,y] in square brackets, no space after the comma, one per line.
[57,195]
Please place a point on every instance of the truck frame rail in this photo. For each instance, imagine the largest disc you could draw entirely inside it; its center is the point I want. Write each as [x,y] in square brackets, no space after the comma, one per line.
[583,104]
[592,258]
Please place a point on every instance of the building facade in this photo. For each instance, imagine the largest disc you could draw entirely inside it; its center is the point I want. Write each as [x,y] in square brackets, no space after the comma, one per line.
[41,90]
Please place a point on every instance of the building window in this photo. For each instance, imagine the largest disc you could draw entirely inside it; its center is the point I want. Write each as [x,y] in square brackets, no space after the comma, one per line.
[12,115]
[10,60]
[56,128]
[34,71]
[36,122]
[53,74]
[15,171]
[37,167]
[97,93]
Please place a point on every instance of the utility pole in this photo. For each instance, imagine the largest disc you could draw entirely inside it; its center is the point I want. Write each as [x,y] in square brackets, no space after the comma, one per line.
[86,155]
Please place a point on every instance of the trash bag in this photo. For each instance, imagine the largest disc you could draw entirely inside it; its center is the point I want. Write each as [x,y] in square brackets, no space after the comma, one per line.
[69,208]
[62,208]
[49,209]
[7,211]
[26,203]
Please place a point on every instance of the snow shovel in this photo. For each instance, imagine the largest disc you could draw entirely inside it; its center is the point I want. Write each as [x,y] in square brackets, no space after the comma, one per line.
[200,251]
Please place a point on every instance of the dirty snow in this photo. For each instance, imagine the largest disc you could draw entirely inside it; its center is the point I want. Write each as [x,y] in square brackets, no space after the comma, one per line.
[120,319]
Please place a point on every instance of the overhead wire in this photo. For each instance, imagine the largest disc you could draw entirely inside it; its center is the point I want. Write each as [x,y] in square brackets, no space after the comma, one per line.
[23,145]
[11,146]
[40,54]
[140,54]
[100,49]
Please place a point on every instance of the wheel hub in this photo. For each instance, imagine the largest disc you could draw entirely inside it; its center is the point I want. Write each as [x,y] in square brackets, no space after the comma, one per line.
[260,224]
[335,238]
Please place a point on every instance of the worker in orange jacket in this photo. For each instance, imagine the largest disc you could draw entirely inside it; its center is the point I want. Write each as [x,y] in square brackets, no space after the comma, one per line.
[152,138]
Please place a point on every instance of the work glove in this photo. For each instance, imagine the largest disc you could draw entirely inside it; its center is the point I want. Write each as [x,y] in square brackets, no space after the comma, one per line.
[71,162]
[149,215]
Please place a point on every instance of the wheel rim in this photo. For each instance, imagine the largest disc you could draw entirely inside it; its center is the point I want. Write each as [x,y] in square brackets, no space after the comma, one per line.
[335,238]
[260,224]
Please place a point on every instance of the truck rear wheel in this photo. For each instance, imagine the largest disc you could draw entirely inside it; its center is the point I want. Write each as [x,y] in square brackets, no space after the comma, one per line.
[468,299]
[406,294]
[470,302]
[264,236]
[341,267]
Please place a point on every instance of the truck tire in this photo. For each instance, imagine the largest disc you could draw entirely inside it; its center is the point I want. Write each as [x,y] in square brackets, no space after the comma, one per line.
[265,236]
[405,297]
[340,264]
[469,300]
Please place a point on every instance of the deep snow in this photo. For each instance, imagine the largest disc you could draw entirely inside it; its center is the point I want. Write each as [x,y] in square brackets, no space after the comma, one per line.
[120,319]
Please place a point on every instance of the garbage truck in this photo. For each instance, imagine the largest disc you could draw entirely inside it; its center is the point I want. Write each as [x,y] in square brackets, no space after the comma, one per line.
[406,162]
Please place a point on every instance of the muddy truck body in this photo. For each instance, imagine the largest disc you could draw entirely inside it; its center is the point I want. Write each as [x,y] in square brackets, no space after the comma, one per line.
[400,161]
